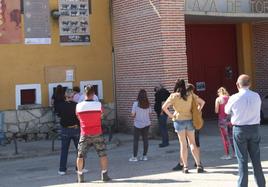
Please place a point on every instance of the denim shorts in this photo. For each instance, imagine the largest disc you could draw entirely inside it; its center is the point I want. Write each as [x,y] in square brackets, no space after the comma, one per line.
[181,125]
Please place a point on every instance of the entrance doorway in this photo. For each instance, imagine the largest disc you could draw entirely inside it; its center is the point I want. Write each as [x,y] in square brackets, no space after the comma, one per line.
[212,61]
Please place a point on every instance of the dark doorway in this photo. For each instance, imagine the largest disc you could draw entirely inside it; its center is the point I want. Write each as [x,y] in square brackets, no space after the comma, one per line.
[212,61]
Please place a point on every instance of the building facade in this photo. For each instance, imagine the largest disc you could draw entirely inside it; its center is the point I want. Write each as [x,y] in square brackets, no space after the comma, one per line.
[30,73]
[206,42]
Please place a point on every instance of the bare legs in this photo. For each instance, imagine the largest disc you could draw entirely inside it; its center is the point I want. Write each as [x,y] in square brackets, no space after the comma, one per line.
[103,163]
[184,149]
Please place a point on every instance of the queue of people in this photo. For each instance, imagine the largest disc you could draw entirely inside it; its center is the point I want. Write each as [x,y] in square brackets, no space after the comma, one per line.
[238,121]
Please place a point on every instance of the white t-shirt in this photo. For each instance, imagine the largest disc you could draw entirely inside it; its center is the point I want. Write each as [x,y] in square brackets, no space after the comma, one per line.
[142,116]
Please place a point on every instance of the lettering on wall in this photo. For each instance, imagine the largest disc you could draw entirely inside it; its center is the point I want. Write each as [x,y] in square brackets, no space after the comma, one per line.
[227,6]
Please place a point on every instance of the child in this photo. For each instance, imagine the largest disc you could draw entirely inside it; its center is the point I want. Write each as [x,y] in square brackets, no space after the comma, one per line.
[141,112]
[224,122]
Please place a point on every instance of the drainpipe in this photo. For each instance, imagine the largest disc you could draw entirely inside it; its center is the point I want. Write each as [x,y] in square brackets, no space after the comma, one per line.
[113,66]
[2,134]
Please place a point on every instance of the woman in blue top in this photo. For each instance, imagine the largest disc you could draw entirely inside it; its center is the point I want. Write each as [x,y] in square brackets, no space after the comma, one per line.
[141,111]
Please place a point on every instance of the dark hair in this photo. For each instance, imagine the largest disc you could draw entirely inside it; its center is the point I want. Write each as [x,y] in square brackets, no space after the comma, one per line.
[190,87]
[143,101]
[181,88]
[59,93]
[89,90]
[76,89]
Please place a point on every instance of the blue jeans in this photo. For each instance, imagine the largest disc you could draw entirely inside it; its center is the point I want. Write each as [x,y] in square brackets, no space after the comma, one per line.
[182,125]
[246,140]
[162,121]
[67,134]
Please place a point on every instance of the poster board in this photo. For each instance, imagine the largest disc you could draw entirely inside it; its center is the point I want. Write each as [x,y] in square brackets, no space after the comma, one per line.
[74,22]
[59,74]
[36,22]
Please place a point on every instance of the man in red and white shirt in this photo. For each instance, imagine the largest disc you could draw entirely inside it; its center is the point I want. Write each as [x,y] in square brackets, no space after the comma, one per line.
[89,114]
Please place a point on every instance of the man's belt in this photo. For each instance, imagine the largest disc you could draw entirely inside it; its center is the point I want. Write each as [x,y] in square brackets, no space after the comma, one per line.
[73,127]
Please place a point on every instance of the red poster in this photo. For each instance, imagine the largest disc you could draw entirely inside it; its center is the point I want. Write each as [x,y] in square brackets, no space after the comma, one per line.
[10,22]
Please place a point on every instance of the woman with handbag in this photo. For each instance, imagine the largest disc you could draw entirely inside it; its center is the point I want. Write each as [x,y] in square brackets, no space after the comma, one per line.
[182,102]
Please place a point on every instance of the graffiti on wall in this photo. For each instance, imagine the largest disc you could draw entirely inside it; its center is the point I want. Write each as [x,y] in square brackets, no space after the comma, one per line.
[10,22]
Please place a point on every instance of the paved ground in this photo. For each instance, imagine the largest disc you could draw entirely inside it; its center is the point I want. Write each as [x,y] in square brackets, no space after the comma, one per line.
[42,170]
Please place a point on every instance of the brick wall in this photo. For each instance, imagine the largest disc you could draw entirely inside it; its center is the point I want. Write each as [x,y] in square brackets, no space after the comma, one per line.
[260,44]
[149,45]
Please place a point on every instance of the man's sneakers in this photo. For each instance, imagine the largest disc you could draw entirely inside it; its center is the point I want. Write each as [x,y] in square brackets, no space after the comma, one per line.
[62,173]
[226,157]
[105,177]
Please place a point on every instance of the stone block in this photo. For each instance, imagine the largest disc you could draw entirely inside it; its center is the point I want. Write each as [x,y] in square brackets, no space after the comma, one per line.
[31,136]
[44,129]
[9,134]
[32,127]
[47,117]
[25,116]
[22,127]
[10,117]
[42,136]
[4,127]
[36,112]
[13,128]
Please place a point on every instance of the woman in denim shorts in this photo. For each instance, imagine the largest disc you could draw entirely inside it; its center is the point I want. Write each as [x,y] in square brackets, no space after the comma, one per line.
[181,102]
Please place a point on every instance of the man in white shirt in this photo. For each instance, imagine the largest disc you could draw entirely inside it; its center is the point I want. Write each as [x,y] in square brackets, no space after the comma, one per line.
[244,108]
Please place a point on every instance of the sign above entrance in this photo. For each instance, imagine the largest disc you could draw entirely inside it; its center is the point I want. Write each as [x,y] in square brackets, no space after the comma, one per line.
[227,6]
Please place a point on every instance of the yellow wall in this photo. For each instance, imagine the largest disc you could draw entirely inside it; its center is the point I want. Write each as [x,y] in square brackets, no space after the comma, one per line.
[245,47]
[24,64]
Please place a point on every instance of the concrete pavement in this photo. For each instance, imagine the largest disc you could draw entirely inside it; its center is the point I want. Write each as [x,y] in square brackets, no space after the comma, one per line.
[42,171]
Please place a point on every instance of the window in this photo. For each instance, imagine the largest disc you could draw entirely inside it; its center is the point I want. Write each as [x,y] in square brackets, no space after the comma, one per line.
[97,84]
[52,88]
[28,94]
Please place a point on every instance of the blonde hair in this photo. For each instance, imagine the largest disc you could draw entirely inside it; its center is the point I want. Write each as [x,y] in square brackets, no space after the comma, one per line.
[223,91]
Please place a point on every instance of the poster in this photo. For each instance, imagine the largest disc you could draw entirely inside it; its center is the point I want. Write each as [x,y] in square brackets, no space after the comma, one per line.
[69,75]
[36,22]
[74,22]
[10,22]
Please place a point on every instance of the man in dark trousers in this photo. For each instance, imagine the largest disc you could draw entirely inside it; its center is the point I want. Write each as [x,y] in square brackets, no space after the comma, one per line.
[161,95]
[245,107]
[70,129]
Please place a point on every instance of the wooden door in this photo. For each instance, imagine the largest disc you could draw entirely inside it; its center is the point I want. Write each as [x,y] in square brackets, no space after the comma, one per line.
[212,61]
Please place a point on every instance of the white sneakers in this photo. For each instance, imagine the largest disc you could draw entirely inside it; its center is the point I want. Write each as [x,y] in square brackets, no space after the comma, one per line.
[226,157]
[135,159]
[61,172]
[143,158]
[64,172]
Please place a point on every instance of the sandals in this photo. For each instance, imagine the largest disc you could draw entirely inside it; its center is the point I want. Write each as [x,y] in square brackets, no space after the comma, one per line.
[185,169]
[200,169]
